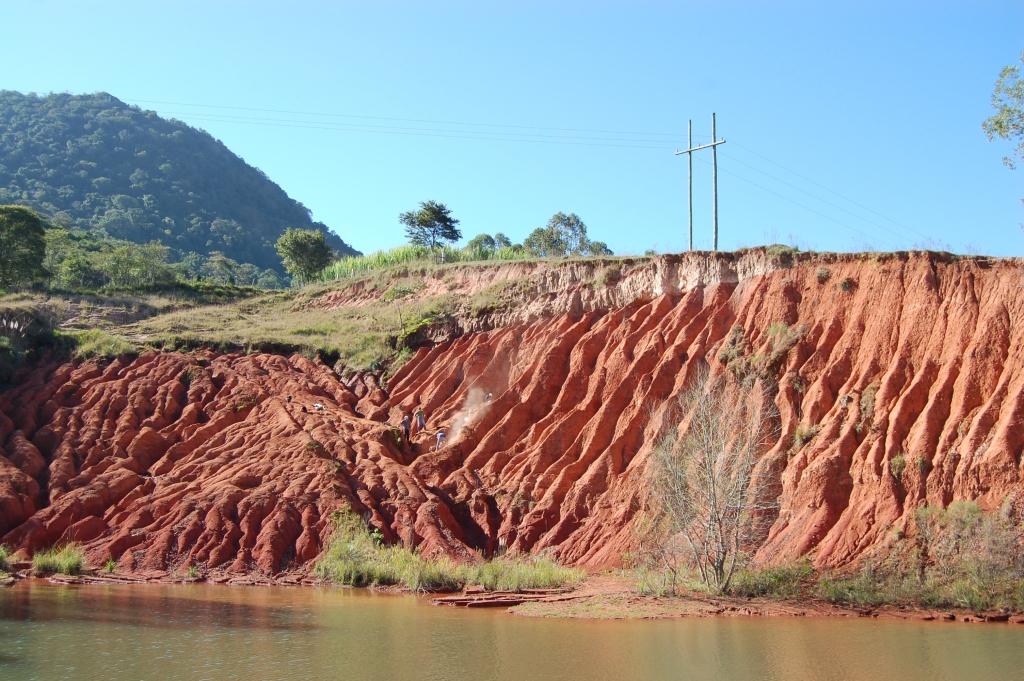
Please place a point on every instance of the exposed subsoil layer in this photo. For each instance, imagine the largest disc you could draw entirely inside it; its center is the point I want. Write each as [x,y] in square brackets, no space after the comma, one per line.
[169,460]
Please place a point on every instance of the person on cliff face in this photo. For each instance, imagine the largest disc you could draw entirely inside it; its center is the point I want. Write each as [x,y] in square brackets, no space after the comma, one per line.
[488,398]
[440,440]
[406,426]
[421,420]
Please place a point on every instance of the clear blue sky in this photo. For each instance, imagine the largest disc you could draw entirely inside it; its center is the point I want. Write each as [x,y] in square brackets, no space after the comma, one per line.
[881,102]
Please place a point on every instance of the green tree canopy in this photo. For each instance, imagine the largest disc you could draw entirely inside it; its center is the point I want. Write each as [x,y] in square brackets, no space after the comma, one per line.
[431,225]
[545,242]
[564,235]
[1008,121]
[305,253]
[481,242]
[22,246]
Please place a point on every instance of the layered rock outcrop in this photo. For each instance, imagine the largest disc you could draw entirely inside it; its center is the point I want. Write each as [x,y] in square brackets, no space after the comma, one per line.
[900,381]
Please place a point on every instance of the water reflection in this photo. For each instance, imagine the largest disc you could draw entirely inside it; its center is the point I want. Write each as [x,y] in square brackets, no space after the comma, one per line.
[190,632]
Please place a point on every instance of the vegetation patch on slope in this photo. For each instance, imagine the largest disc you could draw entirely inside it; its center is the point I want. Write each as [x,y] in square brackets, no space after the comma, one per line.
[358,557]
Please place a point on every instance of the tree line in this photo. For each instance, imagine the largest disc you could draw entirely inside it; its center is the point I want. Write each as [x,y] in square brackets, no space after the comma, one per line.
[432,225]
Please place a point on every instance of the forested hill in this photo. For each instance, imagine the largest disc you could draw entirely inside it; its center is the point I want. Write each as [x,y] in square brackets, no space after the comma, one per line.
[116,170]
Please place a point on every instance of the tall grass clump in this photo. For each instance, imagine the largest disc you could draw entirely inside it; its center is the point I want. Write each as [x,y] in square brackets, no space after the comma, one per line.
[67,560]
[775,582]
[519,574]
[358,557]
[410,254]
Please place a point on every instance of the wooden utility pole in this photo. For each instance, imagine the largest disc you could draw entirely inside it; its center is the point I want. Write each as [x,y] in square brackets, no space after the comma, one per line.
[714,174]
[714,178]
[689,176]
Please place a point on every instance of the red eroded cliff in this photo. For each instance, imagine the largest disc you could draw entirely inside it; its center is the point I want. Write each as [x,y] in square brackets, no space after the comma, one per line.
[170,460]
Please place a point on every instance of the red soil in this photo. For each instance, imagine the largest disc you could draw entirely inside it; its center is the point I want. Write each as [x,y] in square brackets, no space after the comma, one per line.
[226,474]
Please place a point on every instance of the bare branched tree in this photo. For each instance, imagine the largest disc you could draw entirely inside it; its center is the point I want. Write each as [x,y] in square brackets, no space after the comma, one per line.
[704,503]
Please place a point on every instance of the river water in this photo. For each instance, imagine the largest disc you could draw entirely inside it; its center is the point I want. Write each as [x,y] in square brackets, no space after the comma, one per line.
[218,632]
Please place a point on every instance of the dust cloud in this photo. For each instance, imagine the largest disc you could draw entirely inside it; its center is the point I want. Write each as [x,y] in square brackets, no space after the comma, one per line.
[475,406]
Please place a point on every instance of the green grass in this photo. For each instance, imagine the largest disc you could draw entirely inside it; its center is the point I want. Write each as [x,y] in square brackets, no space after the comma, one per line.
[110,566]
[356,557]
[5,553]
[96,344]
[410,255]
[781,582]
[66,560]
[362,337]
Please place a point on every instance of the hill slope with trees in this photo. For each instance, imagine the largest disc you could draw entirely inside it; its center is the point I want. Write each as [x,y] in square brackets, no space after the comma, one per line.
[94,163]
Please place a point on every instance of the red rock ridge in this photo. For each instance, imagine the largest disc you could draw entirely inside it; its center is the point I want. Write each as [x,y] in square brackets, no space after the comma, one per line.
[225,473]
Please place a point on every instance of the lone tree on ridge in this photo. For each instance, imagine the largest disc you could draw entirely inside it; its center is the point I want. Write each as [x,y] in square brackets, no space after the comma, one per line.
[305,253]
[431,225]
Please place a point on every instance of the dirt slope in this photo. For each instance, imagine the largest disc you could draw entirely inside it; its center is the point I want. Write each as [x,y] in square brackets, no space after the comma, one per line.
[915,358]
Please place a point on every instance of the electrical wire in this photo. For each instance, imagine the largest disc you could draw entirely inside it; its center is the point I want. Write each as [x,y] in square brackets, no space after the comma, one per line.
[784,198]
[412,120]
[537,138]
[360,127]
[426,134]
[829,203]
[923,236]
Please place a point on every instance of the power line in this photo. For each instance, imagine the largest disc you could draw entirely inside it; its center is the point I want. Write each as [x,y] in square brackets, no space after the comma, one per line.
[923,236]
[424,134]
[360,126]
[852,229]
[521,137]
[829,203]
[409,120]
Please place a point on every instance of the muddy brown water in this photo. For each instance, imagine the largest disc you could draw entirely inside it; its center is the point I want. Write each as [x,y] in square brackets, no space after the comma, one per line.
[218,632]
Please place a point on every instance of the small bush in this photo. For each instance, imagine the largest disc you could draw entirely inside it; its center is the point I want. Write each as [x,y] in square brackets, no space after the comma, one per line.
[775,582]
[802,435]
[847,284]
[4,555]
[778,330]
[610,276]
[66,560]
[823,275]
[897,465]
[867,402]
[397,292]
[190,375]
[110,566]
[782,254]
[245,401]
